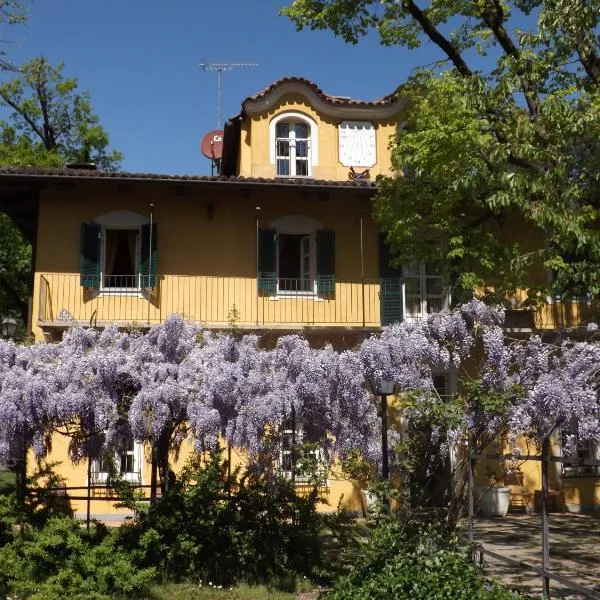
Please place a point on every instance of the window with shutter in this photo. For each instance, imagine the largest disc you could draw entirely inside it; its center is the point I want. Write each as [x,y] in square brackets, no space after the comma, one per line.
[149,256]
[89,260]
[267,261]
[119,253]
[390,287]
[325,262]
[296,258]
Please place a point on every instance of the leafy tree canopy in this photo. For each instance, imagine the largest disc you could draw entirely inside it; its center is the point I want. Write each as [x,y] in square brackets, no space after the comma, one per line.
[51,122]
[500,165]
[15,268]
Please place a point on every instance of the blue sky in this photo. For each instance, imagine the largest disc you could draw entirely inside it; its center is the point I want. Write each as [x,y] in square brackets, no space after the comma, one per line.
[139,59]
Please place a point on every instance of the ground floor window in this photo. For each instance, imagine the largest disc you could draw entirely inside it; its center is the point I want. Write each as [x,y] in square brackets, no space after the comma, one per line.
[575,466]
[128,464]
[298,459]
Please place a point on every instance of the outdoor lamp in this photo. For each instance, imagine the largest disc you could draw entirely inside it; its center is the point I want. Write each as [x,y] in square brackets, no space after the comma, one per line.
[9,327]
[383,388]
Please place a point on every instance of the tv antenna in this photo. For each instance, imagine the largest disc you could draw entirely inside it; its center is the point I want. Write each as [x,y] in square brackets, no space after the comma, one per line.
[221,68]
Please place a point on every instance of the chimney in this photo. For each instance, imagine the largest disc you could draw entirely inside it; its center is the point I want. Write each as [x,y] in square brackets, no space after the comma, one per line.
[81,166]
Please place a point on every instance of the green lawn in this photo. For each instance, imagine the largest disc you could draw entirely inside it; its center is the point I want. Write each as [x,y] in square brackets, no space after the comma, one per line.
[207,592]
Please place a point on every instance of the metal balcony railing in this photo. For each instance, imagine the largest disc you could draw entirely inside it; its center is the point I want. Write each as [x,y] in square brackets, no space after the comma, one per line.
[269,302]
[214,301]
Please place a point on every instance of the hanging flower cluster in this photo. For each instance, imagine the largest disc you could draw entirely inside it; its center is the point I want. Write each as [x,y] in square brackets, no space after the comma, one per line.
[178,381]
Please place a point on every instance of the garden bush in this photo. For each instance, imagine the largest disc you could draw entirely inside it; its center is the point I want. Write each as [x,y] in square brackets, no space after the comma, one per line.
[61,560]
[415,562]
[256,529]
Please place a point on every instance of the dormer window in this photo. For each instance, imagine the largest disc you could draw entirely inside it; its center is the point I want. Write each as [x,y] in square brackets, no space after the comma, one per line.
[292,149]
[293,145]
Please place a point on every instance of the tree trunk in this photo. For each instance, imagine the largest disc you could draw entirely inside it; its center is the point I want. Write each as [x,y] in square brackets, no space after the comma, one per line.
[153,473]
[460,483]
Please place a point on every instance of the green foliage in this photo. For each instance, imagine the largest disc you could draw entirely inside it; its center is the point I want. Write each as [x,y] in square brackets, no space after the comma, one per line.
[479,398]
[257,529]
[500,168]
[15,269]
[42,500]
[51,122]
[63,561]
[414,562]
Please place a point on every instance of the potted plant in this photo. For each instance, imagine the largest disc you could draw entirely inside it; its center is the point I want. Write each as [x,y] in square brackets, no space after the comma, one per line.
[493,500]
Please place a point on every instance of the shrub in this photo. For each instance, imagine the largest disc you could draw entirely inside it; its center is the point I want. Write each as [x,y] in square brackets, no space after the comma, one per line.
[61,560]
[259,530]
[407,561]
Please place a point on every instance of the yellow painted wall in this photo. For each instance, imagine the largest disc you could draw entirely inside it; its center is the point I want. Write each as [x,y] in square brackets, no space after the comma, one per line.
[569,493]
[206,265]
[193,250]
[337,493]
[255,142]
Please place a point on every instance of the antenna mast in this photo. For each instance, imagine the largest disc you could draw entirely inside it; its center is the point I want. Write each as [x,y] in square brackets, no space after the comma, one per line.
[220,68]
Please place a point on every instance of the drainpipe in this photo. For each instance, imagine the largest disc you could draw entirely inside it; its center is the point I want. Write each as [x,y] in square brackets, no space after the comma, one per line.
[362,267]
[257,211]
[150,258]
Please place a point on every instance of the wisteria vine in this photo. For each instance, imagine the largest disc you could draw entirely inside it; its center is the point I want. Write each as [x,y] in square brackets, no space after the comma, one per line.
[179,381]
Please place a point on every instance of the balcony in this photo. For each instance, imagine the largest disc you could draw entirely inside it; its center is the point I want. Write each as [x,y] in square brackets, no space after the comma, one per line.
[223,302]
[218,302]
[554,314]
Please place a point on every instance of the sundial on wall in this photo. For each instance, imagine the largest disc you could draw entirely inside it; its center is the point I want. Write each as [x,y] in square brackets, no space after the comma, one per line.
[357,143]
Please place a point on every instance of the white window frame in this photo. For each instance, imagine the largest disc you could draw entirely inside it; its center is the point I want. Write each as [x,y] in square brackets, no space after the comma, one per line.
[298,225]
[313,142]
[135,477]
[424,297]
[318,453]
[121,219]
[589,450]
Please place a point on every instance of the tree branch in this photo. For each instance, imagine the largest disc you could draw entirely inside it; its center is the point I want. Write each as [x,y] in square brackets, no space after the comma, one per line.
[19,110]
[591,63]
[494,18]
[437,38]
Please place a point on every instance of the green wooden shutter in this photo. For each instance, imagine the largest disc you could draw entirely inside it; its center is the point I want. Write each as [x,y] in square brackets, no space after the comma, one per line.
[390,287]
[267,261]
[89,258]
[149,256]
[326,262]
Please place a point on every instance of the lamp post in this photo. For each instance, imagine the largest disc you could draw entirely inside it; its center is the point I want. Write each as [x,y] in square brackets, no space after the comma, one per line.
[383,388]
[8,327]
[545,529]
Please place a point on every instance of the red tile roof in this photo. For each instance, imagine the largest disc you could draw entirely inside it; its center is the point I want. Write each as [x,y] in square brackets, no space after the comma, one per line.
[8,174]
[334,100]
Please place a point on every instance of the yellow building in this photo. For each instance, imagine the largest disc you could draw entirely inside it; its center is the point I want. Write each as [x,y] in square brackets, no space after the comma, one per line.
[281,241]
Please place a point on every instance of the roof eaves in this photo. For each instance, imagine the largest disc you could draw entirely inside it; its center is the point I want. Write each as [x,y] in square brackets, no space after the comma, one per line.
[57,175]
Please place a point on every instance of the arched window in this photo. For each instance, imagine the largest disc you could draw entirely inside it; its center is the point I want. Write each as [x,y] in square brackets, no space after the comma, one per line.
[293,145]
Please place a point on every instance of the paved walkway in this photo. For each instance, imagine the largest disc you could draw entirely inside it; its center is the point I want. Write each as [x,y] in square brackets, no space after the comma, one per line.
[574,550]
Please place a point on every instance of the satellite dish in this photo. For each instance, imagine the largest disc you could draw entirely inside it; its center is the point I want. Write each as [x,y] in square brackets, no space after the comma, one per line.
[212,144]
